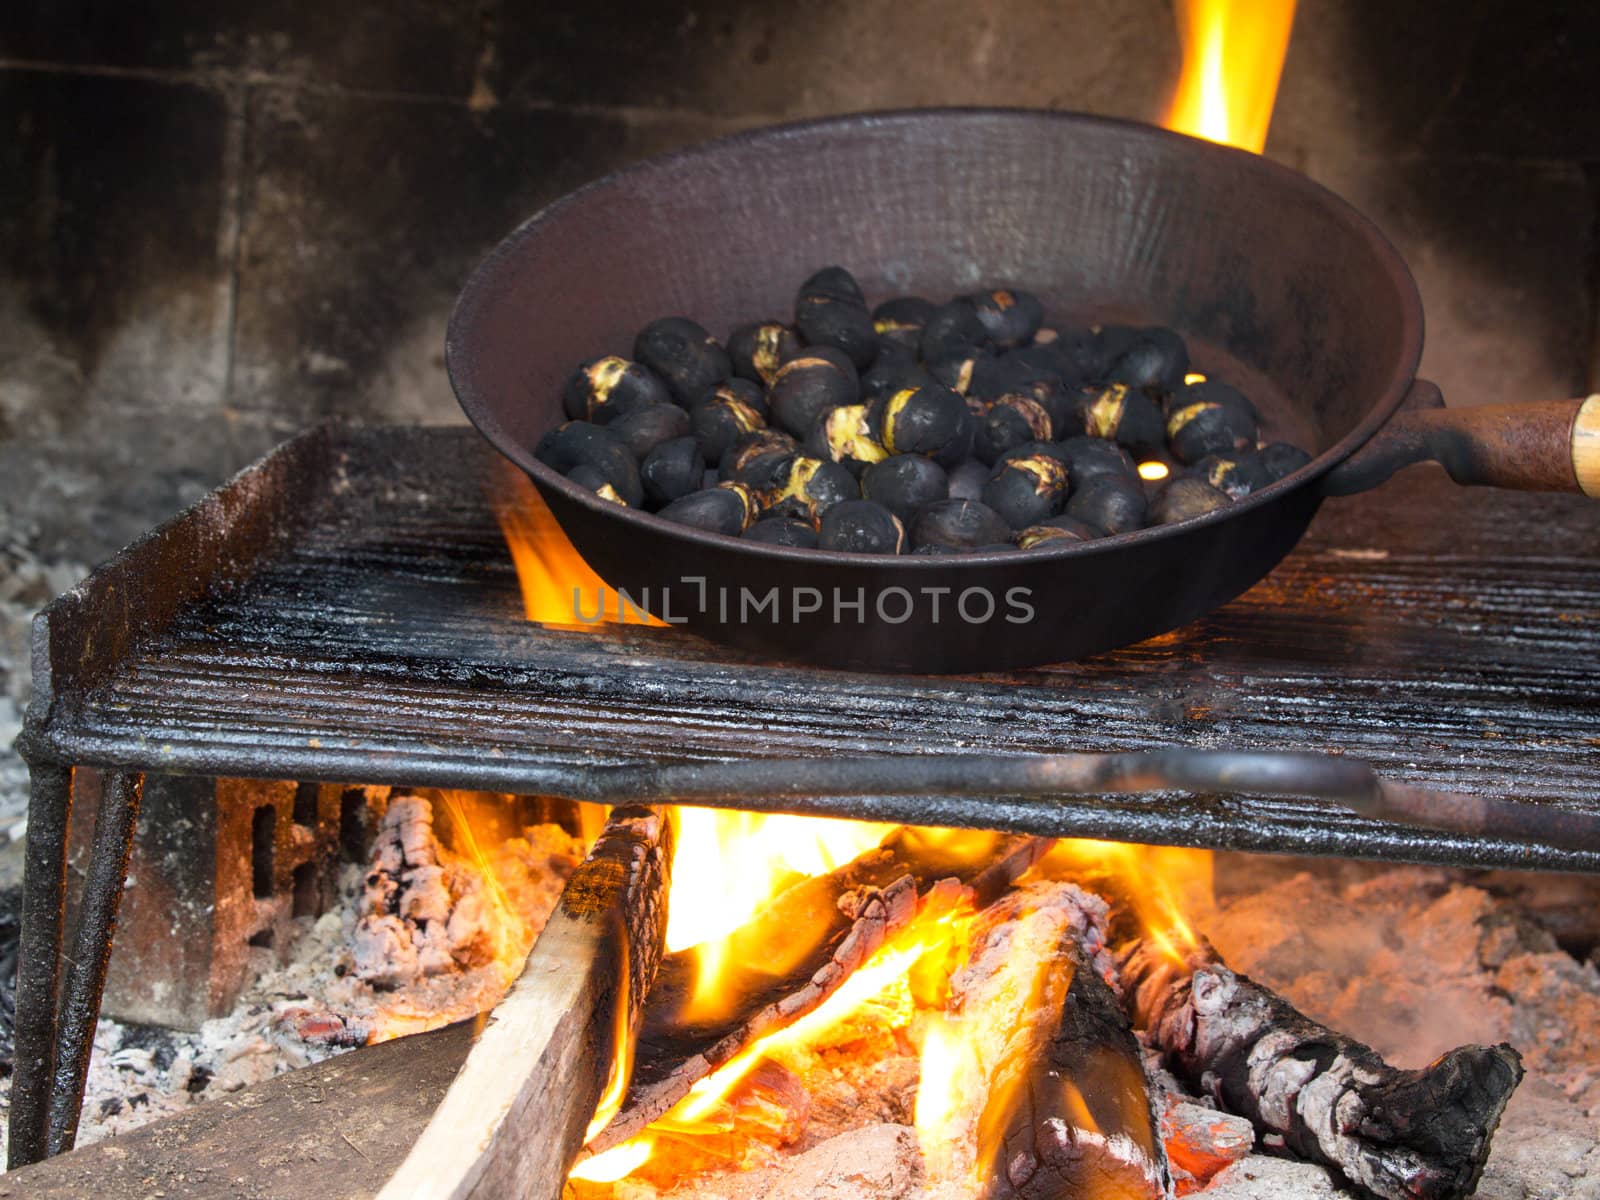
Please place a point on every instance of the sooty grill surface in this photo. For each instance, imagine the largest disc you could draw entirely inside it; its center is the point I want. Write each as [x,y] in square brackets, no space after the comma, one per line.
[347,610]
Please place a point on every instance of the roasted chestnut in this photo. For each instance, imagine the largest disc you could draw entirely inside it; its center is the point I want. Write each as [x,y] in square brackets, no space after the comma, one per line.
[1280,459]
[579,443]
[1152,360]
[967,480]
[757,351]
[727,508]
[688,358]
[1117,412]
[956,369]
[892,371]
[725,416]
[783,531]
[845,435]
[831,311]
[1057,531]
[1087,457]
[950,329]
[959,525]
[862,527]
[595,480]
[1237,474]
[904,483]
[642,430]
[672,470]
[1011,422]
[900,321]
[1110,502]
[931,420]
[604,389]
[1009,317]
[1035,449]
[1027,490]
[1045,360]
[805,487]
[806,386]
[1209,418]
[764,446]
[1186,497]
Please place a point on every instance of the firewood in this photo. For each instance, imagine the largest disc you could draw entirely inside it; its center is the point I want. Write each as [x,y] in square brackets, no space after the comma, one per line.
[1399,1135]
[1048,1087]
[516,1114]
[844,917]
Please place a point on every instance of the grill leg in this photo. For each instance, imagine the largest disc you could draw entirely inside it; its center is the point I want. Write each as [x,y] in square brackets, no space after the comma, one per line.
[97,925]
[44,896]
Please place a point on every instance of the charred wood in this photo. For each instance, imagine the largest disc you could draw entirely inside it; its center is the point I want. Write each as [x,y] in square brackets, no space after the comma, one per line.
[1053,1099]
[797,953]
[516,1115]
[1399,1135]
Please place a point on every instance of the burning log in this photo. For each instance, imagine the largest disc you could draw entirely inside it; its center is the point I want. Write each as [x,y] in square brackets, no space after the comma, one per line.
[1399,1135]
[797,953]
[1050,1101]
[515,1117]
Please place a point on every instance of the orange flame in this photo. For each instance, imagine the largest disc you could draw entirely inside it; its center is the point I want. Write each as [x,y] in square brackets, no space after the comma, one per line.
[1233,52]
[558,587]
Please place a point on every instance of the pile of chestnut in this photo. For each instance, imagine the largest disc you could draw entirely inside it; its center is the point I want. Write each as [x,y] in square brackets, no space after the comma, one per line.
[913,427]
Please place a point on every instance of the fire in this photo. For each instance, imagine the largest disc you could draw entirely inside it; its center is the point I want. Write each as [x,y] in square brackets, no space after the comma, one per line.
[558,587]
[1161,884]
[1233,52]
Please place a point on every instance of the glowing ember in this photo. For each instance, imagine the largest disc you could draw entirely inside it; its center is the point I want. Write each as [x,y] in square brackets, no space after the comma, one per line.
[1153,470]
[1233,52]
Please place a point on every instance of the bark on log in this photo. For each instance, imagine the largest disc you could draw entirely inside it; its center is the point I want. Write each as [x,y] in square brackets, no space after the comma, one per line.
[847,914]
[1056,1100]
[1399,1135]
[516,1114]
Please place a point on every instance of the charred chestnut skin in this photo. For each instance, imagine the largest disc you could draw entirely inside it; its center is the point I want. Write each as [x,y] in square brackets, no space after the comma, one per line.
[805,488]
[1027,491]
[783,531]
[1009,316]
[958,525]
[579,443]
[1184,499]
[845,435]
[727,509]
[727,414]
[604,389]
[893,371]
[1237,474]
[1087,457]
[645,429]
[1209,418]
[861,527]
[830,310]
[904,483]
[950,329]
[1280,459]
[595,480]
[1009,423]
[815,380]
[1117,413]
[764,446]
[1153,360]
[1057,531]
[759,349]
[931,420]
[900,321]
[966,480]
[1110,502]
[684,355]
[672,470]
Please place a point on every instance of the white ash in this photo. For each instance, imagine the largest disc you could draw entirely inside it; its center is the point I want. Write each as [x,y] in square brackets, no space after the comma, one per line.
[456,942]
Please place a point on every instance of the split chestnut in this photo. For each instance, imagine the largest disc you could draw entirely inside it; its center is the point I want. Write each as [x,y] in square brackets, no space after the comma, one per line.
[972,425]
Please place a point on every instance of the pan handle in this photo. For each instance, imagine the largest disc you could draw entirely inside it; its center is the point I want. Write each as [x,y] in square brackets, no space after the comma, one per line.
[1546,446]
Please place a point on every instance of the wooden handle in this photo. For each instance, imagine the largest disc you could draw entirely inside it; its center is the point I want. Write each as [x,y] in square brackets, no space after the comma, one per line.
[1549,446]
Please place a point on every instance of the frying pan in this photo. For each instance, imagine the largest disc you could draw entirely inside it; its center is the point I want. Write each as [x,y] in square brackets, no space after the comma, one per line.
[1280,288]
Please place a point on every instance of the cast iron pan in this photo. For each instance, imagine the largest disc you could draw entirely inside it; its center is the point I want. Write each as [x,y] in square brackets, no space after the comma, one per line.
[1281,288]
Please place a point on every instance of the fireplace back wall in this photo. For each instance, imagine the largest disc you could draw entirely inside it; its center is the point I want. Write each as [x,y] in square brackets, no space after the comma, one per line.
[222,222]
